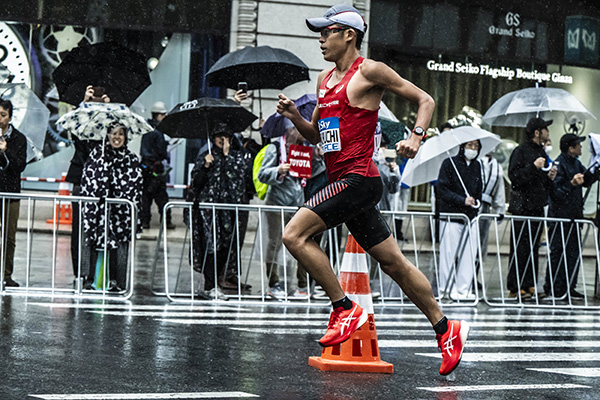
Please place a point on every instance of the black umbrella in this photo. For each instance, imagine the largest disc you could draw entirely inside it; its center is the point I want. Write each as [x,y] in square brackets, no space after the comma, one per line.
[122,72]
[197,118]
[262,67]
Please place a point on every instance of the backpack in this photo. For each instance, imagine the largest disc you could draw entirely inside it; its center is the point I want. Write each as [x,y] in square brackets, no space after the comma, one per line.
[261,188]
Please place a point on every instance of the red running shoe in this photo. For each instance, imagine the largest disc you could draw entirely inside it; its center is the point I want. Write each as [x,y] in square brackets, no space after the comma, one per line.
[451,344]
[342,324]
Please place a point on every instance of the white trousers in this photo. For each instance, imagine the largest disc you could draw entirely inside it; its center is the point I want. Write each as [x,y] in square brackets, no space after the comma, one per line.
[458,242]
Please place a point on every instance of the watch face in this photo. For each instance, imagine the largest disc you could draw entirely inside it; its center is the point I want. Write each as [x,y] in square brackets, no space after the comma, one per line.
[418,130]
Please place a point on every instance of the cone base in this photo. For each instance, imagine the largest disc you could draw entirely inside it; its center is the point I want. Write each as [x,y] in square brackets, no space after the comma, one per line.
[351,366]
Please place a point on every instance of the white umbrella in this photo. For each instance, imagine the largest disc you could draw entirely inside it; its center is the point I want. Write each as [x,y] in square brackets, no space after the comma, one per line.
[518,107]
[425,167]
[30,116]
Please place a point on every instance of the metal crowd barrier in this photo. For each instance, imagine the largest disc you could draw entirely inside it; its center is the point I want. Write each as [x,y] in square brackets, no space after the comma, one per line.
[567,258]
[45,270]
[176,278]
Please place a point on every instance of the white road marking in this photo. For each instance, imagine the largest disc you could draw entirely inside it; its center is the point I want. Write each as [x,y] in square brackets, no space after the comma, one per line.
[302,322]
[586,372]
[521,357]
[165,307]
[144,396]
[481,388]
[496,343]
[426,332]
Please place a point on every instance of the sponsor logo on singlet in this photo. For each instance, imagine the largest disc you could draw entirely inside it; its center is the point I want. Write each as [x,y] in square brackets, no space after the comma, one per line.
[322,93]
[329,128]
[331,103]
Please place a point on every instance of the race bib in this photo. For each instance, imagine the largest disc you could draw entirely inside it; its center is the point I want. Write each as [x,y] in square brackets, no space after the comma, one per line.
[329,128]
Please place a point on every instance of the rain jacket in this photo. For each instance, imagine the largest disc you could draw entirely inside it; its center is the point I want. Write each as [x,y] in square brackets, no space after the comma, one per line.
[223,182]
[110,173]
[530,186]
[567,200]
[450,192]
[283,190]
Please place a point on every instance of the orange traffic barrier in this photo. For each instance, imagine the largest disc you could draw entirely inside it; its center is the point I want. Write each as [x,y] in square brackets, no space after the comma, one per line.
[64,209]
[360,353]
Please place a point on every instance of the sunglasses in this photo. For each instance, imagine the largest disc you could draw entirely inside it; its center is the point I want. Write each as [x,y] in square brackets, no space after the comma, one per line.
[329,30]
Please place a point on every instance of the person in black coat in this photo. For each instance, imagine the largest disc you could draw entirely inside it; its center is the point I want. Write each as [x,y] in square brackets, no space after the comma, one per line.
[455,242]
[531,183]
[567,202]
[13,158]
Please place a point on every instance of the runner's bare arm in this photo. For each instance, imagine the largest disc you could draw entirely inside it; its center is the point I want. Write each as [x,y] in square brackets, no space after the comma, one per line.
[386,78]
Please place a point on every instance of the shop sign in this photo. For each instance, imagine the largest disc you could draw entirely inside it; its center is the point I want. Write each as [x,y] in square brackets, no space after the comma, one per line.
[512,22]
[498,72]
[581,40]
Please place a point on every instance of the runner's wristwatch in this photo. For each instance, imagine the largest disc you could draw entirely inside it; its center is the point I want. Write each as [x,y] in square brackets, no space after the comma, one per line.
[417,130]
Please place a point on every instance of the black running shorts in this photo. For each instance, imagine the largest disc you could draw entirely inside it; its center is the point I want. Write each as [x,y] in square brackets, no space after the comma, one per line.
[353,199]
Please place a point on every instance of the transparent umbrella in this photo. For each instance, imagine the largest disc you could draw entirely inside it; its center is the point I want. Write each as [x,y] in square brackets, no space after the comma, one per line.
[30,116]
[425,167]
[518,107]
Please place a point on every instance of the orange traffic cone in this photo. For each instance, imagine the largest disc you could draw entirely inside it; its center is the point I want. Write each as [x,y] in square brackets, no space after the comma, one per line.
[64,209]
[360,353]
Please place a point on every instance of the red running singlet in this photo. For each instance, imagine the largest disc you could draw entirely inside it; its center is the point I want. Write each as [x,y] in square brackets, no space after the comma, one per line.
[347,133]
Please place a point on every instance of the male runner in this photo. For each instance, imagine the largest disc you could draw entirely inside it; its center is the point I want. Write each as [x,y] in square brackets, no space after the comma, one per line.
[344,122]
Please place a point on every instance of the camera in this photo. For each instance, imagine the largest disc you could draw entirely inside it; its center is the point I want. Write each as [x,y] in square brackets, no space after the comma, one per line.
[243,86]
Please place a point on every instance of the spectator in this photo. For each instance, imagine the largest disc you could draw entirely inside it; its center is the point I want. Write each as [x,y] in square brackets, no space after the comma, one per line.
[218,177]
[493,198]
[385,160]
[83,148]
[284,190]
[567,202]
[531,186]
[112,171]
[154,171]
[456,243]
[13,158]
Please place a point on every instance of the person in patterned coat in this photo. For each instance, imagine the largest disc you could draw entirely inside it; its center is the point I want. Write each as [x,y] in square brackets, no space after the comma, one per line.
[219,176]
[111,171]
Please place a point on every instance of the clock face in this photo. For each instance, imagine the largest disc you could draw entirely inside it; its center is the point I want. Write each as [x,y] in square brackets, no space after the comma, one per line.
[14,55]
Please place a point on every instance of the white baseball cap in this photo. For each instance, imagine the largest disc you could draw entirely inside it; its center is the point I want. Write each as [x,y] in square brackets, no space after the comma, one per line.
[338,14]
[159,107]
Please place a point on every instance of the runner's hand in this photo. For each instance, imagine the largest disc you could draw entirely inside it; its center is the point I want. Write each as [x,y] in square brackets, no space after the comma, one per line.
[286,107]
[408,148]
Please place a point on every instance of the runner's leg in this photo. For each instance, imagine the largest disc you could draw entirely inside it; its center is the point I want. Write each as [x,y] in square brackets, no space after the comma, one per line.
[297,238]
[412,281]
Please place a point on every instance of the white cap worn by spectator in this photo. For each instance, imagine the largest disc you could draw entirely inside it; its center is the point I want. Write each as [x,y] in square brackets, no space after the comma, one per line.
[159,107]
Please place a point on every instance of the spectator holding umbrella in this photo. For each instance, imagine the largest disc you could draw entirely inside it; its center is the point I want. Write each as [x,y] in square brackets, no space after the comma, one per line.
[111,171]
[219,176]
[459,190]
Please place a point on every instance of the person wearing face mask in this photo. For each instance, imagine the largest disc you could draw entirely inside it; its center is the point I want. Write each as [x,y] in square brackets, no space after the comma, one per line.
[457,246]
[111,171]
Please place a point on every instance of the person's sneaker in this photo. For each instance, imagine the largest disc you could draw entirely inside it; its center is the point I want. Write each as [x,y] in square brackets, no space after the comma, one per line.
[276,292]
[451,344]
[10,283]
[216,294]
[301,293]
[524,295]
[576,295]
[342,324]
[319,293]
